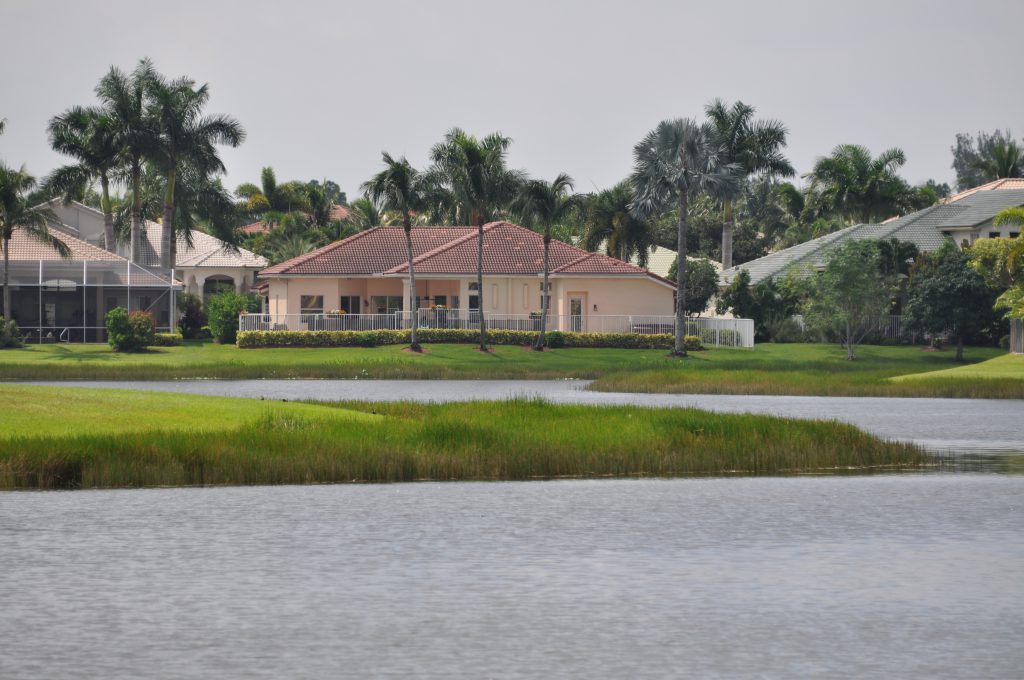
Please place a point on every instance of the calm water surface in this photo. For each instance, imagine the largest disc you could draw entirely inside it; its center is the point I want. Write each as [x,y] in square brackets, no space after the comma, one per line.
[910,576]
[957,425]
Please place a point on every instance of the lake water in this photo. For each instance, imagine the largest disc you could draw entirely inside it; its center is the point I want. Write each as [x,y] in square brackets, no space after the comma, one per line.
[892,576]
[976,426]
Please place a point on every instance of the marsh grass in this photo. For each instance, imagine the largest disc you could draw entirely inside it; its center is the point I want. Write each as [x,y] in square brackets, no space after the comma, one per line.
[399,442]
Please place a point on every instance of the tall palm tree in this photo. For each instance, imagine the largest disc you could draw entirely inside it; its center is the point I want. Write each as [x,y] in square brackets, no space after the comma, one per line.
[1013,217]
[471,182]
[270,196]
[17,213]
[123,98]
[676,161]
[364,214]
[1006,159]
[543,204]
[754,146]
[853,184]
[185,137]
[609,220]
[399,187]
[89,136]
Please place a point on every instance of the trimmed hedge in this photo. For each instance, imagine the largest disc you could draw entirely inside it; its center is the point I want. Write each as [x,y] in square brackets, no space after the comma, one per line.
[167,339]
[556,339]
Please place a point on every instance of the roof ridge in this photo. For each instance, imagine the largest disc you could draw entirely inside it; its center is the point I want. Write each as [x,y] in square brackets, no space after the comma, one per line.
[422,257]
[281,268]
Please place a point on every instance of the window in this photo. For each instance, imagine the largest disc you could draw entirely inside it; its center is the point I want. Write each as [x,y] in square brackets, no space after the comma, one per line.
[311,304]
[349,304]
[385,304]
[455,302]
[1014,234]
[993,234]
[441,300]
[473,286]
[474,302]
[145,303]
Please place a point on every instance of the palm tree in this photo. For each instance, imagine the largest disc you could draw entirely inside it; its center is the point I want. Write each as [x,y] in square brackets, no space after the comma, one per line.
[185,137]
[364,214]
[399,187]
[753,146]
[542,204]
[1006,159]
[270,196]
[16,212]
[1013,217]
[609,220]
[123,97]
[287,246]
[471,182]
[676,161]
[89,136]
[858,187]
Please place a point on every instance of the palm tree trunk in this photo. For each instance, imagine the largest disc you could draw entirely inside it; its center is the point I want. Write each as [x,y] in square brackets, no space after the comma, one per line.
[680,340]
[727,227]
[480,285]
[959,348]
[167,228]
[545,302]
[108,216]
[849,342]
[7,281]
[414,344]
[136,248]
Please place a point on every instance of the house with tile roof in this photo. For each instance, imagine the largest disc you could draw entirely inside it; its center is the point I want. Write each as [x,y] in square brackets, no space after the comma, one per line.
[368,273]
[206,265]
[964,218]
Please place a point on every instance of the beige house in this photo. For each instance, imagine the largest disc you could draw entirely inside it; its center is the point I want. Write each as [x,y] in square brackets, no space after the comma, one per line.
[367,274]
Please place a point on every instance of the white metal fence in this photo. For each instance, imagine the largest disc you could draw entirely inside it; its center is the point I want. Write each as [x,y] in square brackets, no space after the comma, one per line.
[717,332]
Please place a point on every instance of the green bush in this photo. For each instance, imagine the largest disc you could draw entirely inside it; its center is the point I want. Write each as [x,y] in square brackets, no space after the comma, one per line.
[129,332]
[193,318]
[223,309]
[556,339]
[1004,342]
[167,339]
[10,334]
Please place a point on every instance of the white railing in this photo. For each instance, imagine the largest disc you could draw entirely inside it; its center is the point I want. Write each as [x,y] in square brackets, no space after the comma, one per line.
[712,331]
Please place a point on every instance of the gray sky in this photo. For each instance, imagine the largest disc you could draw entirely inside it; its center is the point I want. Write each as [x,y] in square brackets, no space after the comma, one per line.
[323,87]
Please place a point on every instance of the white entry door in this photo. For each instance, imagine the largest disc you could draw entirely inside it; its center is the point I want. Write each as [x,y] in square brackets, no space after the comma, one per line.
[577,308]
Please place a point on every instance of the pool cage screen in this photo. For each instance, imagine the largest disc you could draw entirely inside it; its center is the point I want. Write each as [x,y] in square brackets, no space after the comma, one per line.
[68,300]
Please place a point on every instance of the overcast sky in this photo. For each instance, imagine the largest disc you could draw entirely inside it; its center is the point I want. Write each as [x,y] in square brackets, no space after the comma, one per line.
[323,87]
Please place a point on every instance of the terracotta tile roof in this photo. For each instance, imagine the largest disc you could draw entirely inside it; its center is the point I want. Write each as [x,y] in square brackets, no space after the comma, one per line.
[255,228]
[339,212]
[508,250]
[23,247]
[369,252]
[997,185]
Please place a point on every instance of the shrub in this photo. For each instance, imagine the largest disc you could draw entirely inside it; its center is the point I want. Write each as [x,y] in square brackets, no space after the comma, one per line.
[784,329]
[129,332]
[167,339]
[223,309]
[10,334]
[1004,342]
[193,318]
[253,339]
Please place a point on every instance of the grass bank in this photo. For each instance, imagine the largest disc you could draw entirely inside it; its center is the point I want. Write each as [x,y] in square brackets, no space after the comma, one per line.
[767,369]
[75,438]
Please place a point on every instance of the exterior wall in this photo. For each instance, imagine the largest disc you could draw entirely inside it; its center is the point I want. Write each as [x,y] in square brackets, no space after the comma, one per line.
[195,277]
[88,224]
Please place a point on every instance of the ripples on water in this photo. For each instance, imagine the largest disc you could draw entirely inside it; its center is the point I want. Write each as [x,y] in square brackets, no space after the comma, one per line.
[882,576]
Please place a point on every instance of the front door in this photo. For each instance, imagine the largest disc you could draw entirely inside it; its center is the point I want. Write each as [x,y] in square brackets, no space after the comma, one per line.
[577,303]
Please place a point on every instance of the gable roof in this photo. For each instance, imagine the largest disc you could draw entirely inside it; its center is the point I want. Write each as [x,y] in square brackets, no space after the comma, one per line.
[509,250]
[205,251]
[926,228]
[997,185]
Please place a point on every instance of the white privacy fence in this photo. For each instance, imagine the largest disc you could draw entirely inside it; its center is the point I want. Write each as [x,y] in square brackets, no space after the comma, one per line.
[717,332]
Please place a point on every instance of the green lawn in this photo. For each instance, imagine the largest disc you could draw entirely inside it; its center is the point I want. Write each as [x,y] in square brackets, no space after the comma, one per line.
[1007,366]
[813,369]
[78,437]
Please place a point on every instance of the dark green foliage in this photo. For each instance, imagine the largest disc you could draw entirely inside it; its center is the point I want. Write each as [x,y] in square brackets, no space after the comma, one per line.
[193,318]
[10,334]
[129,332]
[985,158]
[949,296]
[769,304]
[223,309]
[167,339]
[738,297]
[253,339]
[701,284]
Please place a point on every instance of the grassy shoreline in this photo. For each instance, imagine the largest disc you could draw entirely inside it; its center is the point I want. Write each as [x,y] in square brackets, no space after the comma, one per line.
[767,369]
[84,438]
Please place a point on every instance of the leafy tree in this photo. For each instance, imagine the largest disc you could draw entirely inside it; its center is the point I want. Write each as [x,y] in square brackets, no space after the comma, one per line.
[853,184]
[768,303]
[851,297]
[400,187]
[185,138]
[754,147]
[470,183]
[129,331]
[89,136]
[674,162]
[541,205]
[981,159]
[19,213]
[223,310]
[701,284]
[609,221]
[1000,261]
[192,317]
[949,296]
[896,257]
